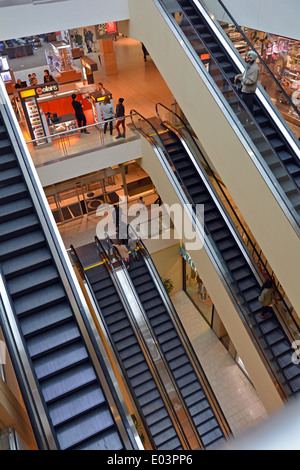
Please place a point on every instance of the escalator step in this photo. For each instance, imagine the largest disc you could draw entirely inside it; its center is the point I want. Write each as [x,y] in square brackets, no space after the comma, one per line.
[59,360]
[34,302]
[46,318]
[36,280]
[53,338]
[26,263]
[19,226]
[67,381]
[83,427]
[15,209]
[74,405]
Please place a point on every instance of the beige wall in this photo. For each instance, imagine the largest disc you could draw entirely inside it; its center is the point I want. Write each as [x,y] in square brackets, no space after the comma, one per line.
[168,263]
[256,203]
[226,308]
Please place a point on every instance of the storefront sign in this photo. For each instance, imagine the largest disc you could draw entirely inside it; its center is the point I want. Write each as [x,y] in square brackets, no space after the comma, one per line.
[40,89]
[105,30]
[187,258]
[89,64]
[49,88]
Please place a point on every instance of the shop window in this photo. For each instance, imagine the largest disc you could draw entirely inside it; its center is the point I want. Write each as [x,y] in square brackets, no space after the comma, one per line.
[197,292]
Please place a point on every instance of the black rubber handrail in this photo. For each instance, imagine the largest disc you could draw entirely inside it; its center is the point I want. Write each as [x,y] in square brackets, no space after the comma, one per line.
[232,209]
[204,380]
[228,278]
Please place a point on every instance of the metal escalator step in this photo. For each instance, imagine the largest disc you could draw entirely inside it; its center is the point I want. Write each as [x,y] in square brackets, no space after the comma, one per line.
[119,326]
[178,362]
[12,210]
[143,383]
[242,271]
[10,176]
[19,226]
[207,427]
[115,317]
[126,341]
[8,160]
[295,385]
[274,337]
[67,381]
[137,370]
[193,393]
[281,348]
[83,427]
[167,439]
[124,334]
[203,416]
[104,441]
[209,438]
[247,283]
[134,361]
[43,319]
[129,352]
[54,338]
[291,371]
[59,360]
[155,312]
[76,403]
[5,146]
[29,282]
[36,301]
[26,263]
[21,244]
[12,192]
[176,353]
[148,396]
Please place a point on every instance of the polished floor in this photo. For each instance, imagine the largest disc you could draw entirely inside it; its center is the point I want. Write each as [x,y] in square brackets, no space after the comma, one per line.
[141,85]
[236,395]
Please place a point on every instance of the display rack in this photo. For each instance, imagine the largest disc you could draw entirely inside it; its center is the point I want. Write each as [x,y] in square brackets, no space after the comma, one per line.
[60,63]
[35,119]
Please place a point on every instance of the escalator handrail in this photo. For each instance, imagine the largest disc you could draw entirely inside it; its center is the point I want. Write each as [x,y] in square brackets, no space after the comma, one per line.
[157,379]
[27,381]
[102,252]
[232,209]
[157,345]
[173,315]
[284,202]
[260,58]
[280,388]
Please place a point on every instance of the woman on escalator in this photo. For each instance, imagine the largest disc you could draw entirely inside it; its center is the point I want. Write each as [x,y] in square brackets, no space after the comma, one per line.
[266,298]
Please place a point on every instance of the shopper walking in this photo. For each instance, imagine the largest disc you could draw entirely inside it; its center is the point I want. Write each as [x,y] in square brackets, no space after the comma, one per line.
[145,52]
[249,80]
[108,114]
[266,298]
[81,119]
[120,115]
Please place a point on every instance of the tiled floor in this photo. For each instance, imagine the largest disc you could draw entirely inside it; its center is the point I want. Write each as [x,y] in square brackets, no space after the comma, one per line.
[238,399]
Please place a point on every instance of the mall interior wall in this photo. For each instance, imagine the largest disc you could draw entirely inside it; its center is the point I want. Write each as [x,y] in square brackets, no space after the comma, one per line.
[221,142]
[217,291]
[29,19]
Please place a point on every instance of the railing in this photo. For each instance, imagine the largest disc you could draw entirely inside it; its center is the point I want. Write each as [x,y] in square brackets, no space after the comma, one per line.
[115,263]
[225,275]
[179,327]
[263,268]
[73,142]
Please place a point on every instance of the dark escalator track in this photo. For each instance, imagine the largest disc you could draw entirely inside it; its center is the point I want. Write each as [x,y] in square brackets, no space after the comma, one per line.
[70,390]
[142,382]
[270,333]
[278,153]
[204,417]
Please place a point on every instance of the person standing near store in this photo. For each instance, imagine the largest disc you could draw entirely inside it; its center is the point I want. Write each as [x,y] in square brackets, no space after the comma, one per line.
[120,115]
[249,80]
[34,79]
[108,113]
[47,77]
[81,119]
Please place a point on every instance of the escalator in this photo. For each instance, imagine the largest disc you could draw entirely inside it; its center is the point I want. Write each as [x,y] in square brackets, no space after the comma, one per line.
[272,333]
[164,323]
[267,130]
[68,400]
[141,377]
